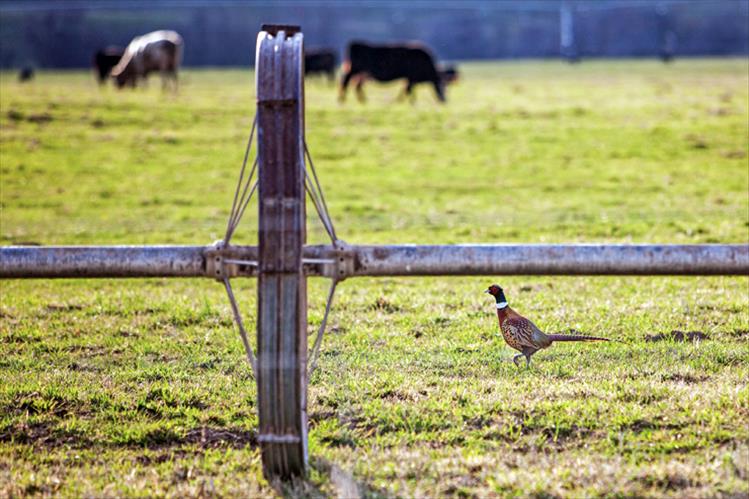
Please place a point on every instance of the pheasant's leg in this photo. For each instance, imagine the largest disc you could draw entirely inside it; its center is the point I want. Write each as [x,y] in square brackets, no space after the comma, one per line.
[516,358]
[527,352]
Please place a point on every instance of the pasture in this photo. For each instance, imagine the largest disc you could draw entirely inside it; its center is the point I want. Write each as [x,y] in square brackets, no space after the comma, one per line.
[140,388]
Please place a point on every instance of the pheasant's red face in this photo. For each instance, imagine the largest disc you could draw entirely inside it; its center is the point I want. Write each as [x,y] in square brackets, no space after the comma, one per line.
[494,290]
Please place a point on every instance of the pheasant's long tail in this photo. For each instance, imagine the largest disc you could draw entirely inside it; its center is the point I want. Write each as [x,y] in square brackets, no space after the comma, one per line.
[575,337]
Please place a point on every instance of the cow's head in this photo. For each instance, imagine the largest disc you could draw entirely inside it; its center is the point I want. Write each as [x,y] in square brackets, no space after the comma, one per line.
[124,73]
[123,79]
[448,75]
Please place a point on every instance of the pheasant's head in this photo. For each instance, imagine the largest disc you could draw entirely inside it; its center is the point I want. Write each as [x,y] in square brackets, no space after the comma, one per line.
[498,293]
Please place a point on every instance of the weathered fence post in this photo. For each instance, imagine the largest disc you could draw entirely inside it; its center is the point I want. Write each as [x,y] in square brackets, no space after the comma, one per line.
[282,285]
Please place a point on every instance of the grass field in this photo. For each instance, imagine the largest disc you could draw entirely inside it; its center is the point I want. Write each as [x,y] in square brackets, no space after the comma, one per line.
[139,387]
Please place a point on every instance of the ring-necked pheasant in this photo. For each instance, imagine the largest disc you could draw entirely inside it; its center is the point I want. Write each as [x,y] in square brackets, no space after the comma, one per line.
[521,334]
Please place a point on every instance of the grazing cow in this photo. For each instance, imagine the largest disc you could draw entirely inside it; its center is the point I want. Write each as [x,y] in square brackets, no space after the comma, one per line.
[158,51]
[320,61]
[26,74]
[412,61]
[106,59]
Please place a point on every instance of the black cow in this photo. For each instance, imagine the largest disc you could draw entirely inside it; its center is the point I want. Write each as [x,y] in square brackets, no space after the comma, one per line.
[412,61]
[106,59]
[26,74]
[320,61]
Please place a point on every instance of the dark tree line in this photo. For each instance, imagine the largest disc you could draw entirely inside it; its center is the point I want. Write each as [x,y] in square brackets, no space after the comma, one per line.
[62,35]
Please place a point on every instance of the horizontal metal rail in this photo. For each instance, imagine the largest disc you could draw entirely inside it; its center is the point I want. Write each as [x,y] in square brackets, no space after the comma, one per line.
[101,261]
[552,259]
[394,260]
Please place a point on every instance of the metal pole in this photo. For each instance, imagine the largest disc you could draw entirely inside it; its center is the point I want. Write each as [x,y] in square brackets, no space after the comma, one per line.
[552,259]
[101,261]
[403,260]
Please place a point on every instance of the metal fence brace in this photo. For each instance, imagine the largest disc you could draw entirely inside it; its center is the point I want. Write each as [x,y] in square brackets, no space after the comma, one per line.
[282,261]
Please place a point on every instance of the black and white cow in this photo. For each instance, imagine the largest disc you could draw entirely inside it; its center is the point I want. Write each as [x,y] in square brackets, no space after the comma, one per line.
[157,51]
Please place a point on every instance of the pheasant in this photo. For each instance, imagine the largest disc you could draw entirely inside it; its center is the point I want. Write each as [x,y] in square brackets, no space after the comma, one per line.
[521,334]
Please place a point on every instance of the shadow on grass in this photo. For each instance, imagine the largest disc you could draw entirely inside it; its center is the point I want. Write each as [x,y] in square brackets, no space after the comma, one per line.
[342,484]
[168,443]
[47,434]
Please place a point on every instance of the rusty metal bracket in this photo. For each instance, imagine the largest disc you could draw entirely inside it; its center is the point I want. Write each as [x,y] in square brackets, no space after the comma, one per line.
[214,262]
[343,257]
[222,260]
[335,262]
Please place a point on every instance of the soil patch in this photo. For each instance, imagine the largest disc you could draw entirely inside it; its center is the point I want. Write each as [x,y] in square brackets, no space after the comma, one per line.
[679,336]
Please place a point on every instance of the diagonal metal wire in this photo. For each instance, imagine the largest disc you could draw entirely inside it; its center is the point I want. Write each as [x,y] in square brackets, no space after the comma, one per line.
[243,200]
[309,187]
[320,191]
[239,205]
[245,203]
[321,330]
[242,332]
[237,202]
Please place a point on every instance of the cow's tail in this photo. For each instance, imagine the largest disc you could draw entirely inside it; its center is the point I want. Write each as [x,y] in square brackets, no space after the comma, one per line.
[180,47]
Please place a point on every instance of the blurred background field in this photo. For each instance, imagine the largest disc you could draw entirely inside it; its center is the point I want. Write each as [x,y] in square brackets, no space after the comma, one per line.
[138,387]
[630,151]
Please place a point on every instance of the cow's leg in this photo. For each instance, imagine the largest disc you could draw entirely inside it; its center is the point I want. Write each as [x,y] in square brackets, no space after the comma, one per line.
[169,80]
[439,90]
[344,85]
[405,92]
[410,92]
[402,94]
[360,89]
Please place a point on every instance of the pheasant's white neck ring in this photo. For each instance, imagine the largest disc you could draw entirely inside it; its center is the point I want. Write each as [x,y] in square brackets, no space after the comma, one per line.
[501,305]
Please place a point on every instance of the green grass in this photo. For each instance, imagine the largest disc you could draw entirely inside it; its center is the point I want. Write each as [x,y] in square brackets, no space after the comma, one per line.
[139,387]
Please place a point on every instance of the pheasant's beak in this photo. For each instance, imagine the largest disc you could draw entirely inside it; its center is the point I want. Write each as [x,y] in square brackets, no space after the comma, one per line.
[486,291]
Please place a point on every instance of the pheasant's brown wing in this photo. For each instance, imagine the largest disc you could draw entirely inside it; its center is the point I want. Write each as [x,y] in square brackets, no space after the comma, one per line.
[521,330]
[540,339]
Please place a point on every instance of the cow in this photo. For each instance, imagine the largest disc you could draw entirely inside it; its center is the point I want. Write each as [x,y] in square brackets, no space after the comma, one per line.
[106,59]
[412,61]
[320,61]
[157,51]
[26,74]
